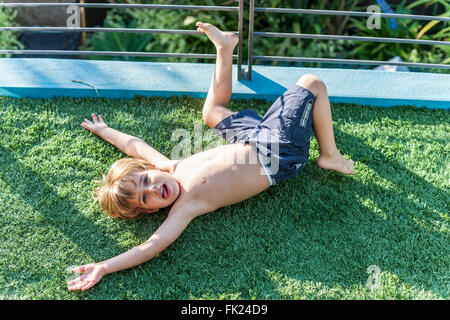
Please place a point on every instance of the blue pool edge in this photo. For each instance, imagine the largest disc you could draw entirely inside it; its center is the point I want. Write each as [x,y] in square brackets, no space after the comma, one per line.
[47,78]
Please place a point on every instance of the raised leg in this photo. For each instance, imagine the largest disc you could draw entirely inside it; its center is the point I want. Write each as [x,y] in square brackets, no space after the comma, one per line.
[219,93]
[330,157]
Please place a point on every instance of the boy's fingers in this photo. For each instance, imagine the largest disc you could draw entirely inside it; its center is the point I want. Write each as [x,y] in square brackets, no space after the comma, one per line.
[74,281]
[76,287]
[100,118]
[94,117]
[81,285]
[77,280]
[87,285]
[78,269]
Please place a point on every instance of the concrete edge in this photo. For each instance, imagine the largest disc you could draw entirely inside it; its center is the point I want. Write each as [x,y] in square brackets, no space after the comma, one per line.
[46,78]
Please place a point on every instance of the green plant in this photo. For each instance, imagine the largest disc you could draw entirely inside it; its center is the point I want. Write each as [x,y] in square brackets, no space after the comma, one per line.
[8,39]
[164,19]
[406,28]
[306,24]
[289,23]
[444,32]
[114,41]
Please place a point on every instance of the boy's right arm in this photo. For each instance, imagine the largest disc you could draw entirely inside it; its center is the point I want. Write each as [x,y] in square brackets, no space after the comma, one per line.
[128,144]
[168,232]
[175,223]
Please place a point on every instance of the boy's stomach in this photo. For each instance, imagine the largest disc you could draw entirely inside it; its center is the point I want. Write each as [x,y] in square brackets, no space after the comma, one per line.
[222,176]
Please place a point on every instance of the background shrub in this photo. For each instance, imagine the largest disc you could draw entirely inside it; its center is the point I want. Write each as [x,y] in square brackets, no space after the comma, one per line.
[8,40]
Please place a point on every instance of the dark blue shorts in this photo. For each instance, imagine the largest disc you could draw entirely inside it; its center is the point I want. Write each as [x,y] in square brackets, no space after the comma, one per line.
[281,137]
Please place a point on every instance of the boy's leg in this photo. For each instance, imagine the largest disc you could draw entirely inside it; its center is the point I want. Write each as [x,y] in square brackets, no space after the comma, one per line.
[219,93]
[330,157]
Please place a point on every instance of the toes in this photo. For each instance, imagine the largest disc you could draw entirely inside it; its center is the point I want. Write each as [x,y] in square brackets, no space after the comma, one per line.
[351,167]
[202,25]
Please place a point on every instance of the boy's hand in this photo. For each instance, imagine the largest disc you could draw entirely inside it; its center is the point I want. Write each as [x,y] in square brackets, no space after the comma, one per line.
[96,126]
[167,165]
[92,273]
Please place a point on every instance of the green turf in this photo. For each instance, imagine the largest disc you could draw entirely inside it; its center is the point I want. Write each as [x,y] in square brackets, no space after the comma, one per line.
[312,237]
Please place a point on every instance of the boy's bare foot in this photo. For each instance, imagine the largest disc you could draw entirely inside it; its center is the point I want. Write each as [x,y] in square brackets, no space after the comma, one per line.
[222,40]
[337,163]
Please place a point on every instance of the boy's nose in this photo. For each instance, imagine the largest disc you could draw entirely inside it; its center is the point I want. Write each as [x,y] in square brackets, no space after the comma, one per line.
[154,190]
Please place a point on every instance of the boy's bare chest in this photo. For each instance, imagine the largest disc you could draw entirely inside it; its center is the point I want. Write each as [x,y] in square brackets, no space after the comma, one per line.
[222,176]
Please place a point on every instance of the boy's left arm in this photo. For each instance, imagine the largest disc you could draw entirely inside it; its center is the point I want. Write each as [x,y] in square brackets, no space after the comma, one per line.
[126,143]
[175,223]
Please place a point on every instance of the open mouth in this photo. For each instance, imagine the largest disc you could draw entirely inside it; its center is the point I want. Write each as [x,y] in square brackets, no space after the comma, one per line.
[165,191]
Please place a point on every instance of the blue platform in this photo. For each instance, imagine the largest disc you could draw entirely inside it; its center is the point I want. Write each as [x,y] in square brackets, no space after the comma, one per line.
[45,78]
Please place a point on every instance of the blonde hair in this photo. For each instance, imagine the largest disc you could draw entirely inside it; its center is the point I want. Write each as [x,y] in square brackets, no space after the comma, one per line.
[118,187]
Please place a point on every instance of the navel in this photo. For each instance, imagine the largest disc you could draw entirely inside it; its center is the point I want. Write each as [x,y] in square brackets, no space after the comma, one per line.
[203,180]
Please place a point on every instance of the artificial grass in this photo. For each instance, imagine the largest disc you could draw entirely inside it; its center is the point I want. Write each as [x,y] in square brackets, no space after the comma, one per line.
[312,237]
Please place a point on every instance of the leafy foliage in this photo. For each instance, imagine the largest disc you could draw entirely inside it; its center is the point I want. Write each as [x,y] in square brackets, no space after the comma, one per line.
[8,40]
[405,29]
[290,23]
[114,41]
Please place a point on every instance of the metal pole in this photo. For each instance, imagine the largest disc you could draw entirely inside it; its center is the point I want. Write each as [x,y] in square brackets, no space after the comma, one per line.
[111,53]
[240,29]
[97,29]
[250,39]
[352,13]
[121,6]
[83,24]
[351,38]
[351,61]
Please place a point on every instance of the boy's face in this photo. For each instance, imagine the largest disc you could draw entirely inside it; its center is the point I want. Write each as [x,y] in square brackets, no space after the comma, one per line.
[155,189]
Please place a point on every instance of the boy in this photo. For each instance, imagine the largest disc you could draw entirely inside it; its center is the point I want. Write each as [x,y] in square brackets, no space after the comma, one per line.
[205,182]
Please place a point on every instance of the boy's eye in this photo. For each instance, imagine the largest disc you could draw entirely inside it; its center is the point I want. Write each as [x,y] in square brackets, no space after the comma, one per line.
[145,182]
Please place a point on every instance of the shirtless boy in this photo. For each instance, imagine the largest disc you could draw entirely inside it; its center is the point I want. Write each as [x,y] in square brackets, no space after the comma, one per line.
[213,178]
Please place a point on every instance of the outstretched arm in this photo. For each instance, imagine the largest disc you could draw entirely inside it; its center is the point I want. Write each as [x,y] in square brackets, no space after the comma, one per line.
[128,144]
[167,233]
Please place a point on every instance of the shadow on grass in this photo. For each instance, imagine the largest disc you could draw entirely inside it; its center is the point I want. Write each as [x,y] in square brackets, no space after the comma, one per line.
[334,236]
[319,227]
[337,236]
[55,211]
[404,240]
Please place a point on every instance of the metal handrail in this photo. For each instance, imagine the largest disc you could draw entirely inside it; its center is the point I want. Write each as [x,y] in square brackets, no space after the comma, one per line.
[122,6]
[352,61]
[238,9]
[349,13]
[112,53]
[252,34]
[80,29]
[352,38]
